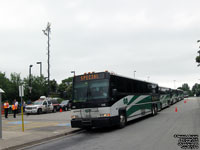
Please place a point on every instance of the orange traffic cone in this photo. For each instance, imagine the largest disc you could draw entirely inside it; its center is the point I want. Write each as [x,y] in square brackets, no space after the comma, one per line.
[185,101]
[60,109]
[176,110]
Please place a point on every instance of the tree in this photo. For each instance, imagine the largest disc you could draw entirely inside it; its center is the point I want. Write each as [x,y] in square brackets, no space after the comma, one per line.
[53,86]
[198,57]
[196,89]
[15,82]
[65,88]
[185,87]
[10,86]
[5,85]
[39,87]
[198,60]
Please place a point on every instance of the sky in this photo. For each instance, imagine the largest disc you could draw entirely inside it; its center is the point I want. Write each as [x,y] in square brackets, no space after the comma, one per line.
[157,39]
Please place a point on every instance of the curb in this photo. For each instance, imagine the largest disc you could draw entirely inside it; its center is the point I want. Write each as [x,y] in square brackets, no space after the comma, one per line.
[41,140]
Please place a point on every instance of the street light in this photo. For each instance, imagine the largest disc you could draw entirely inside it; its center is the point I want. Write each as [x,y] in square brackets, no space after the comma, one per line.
[148,78]
[30,86]
[73,73]
[40,63]
[73,83]
[134,73]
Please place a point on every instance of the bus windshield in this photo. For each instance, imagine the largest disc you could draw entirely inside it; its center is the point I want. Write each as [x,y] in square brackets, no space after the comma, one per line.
[91,90]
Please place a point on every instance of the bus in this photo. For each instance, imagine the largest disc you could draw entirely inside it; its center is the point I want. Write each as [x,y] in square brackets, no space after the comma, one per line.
[165,97]
[174,96]
[180,94]
[104,99]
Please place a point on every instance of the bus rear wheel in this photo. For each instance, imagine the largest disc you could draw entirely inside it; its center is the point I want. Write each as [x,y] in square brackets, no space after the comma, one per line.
[154,110]
[168,104]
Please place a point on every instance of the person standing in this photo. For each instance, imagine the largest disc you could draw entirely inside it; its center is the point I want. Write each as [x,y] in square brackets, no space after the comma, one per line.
[14,108]
[16,103]
[6,107]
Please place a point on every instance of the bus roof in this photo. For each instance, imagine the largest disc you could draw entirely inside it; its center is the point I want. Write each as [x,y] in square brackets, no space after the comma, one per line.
[103,75]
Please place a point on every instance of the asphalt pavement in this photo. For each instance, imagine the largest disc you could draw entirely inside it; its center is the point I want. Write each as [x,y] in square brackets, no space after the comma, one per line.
[161,132]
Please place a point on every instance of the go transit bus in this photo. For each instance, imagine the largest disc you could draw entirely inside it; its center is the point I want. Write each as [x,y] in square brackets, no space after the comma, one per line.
[105,99]
[174,96]
[165,97]
[180,94]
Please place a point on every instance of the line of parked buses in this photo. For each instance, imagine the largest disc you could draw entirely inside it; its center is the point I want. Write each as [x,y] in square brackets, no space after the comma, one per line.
[106,99]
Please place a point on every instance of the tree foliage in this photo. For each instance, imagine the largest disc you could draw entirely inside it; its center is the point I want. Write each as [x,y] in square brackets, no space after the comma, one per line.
[39,87]
[198,59]
[185,87]
[65,88]
[196,89]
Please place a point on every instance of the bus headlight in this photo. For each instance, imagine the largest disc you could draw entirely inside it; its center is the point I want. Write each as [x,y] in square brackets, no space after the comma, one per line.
[105,115]
[74,116]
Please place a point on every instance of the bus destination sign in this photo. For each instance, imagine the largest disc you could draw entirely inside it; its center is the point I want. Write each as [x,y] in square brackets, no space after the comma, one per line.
[89,77]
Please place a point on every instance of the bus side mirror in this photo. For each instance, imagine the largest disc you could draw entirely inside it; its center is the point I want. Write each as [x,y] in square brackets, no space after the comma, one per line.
[114,92]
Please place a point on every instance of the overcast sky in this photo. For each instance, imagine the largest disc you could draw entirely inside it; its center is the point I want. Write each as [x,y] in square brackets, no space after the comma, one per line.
[156,38]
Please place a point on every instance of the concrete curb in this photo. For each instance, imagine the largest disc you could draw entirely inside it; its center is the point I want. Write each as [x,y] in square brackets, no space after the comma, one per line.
[40,140]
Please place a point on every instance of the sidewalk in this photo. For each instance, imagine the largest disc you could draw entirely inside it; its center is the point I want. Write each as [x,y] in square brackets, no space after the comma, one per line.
[34,132]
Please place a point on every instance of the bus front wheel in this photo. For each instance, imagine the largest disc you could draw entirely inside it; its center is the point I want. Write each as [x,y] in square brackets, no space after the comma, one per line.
[122,120]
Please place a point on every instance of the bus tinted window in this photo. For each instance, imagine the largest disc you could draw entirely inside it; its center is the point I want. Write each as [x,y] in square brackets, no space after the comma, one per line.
[91,90]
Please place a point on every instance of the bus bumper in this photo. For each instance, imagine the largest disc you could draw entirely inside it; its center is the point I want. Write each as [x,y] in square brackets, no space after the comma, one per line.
[95,122]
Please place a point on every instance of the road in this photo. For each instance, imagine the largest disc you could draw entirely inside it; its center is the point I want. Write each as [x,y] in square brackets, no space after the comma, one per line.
[149,133]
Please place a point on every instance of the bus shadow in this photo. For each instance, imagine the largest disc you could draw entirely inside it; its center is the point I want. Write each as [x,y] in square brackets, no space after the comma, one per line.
[138,120]
[115,128]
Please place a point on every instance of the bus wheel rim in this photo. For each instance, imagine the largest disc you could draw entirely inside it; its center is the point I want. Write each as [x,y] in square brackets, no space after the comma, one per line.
[122,119]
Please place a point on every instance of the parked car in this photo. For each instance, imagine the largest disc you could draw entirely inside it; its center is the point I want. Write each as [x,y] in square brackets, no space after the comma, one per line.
[40,106]
[65,105]
[55,104]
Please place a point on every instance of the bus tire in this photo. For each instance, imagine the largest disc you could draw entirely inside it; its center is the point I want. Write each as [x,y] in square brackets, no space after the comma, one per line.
[161,107]
[122,120]
[154,110]
[168,104]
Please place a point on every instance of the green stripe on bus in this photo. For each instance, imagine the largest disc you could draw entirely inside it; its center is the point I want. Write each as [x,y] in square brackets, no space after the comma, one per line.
[135,108]
[132,99]
[145,100]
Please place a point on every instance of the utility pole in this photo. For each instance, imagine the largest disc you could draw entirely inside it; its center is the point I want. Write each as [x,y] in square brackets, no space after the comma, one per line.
[47,32]
[30,83]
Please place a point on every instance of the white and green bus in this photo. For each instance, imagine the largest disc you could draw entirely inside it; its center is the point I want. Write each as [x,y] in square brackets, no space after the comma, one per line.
[180,94]
[165,97]
[174,96]
[104,99]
